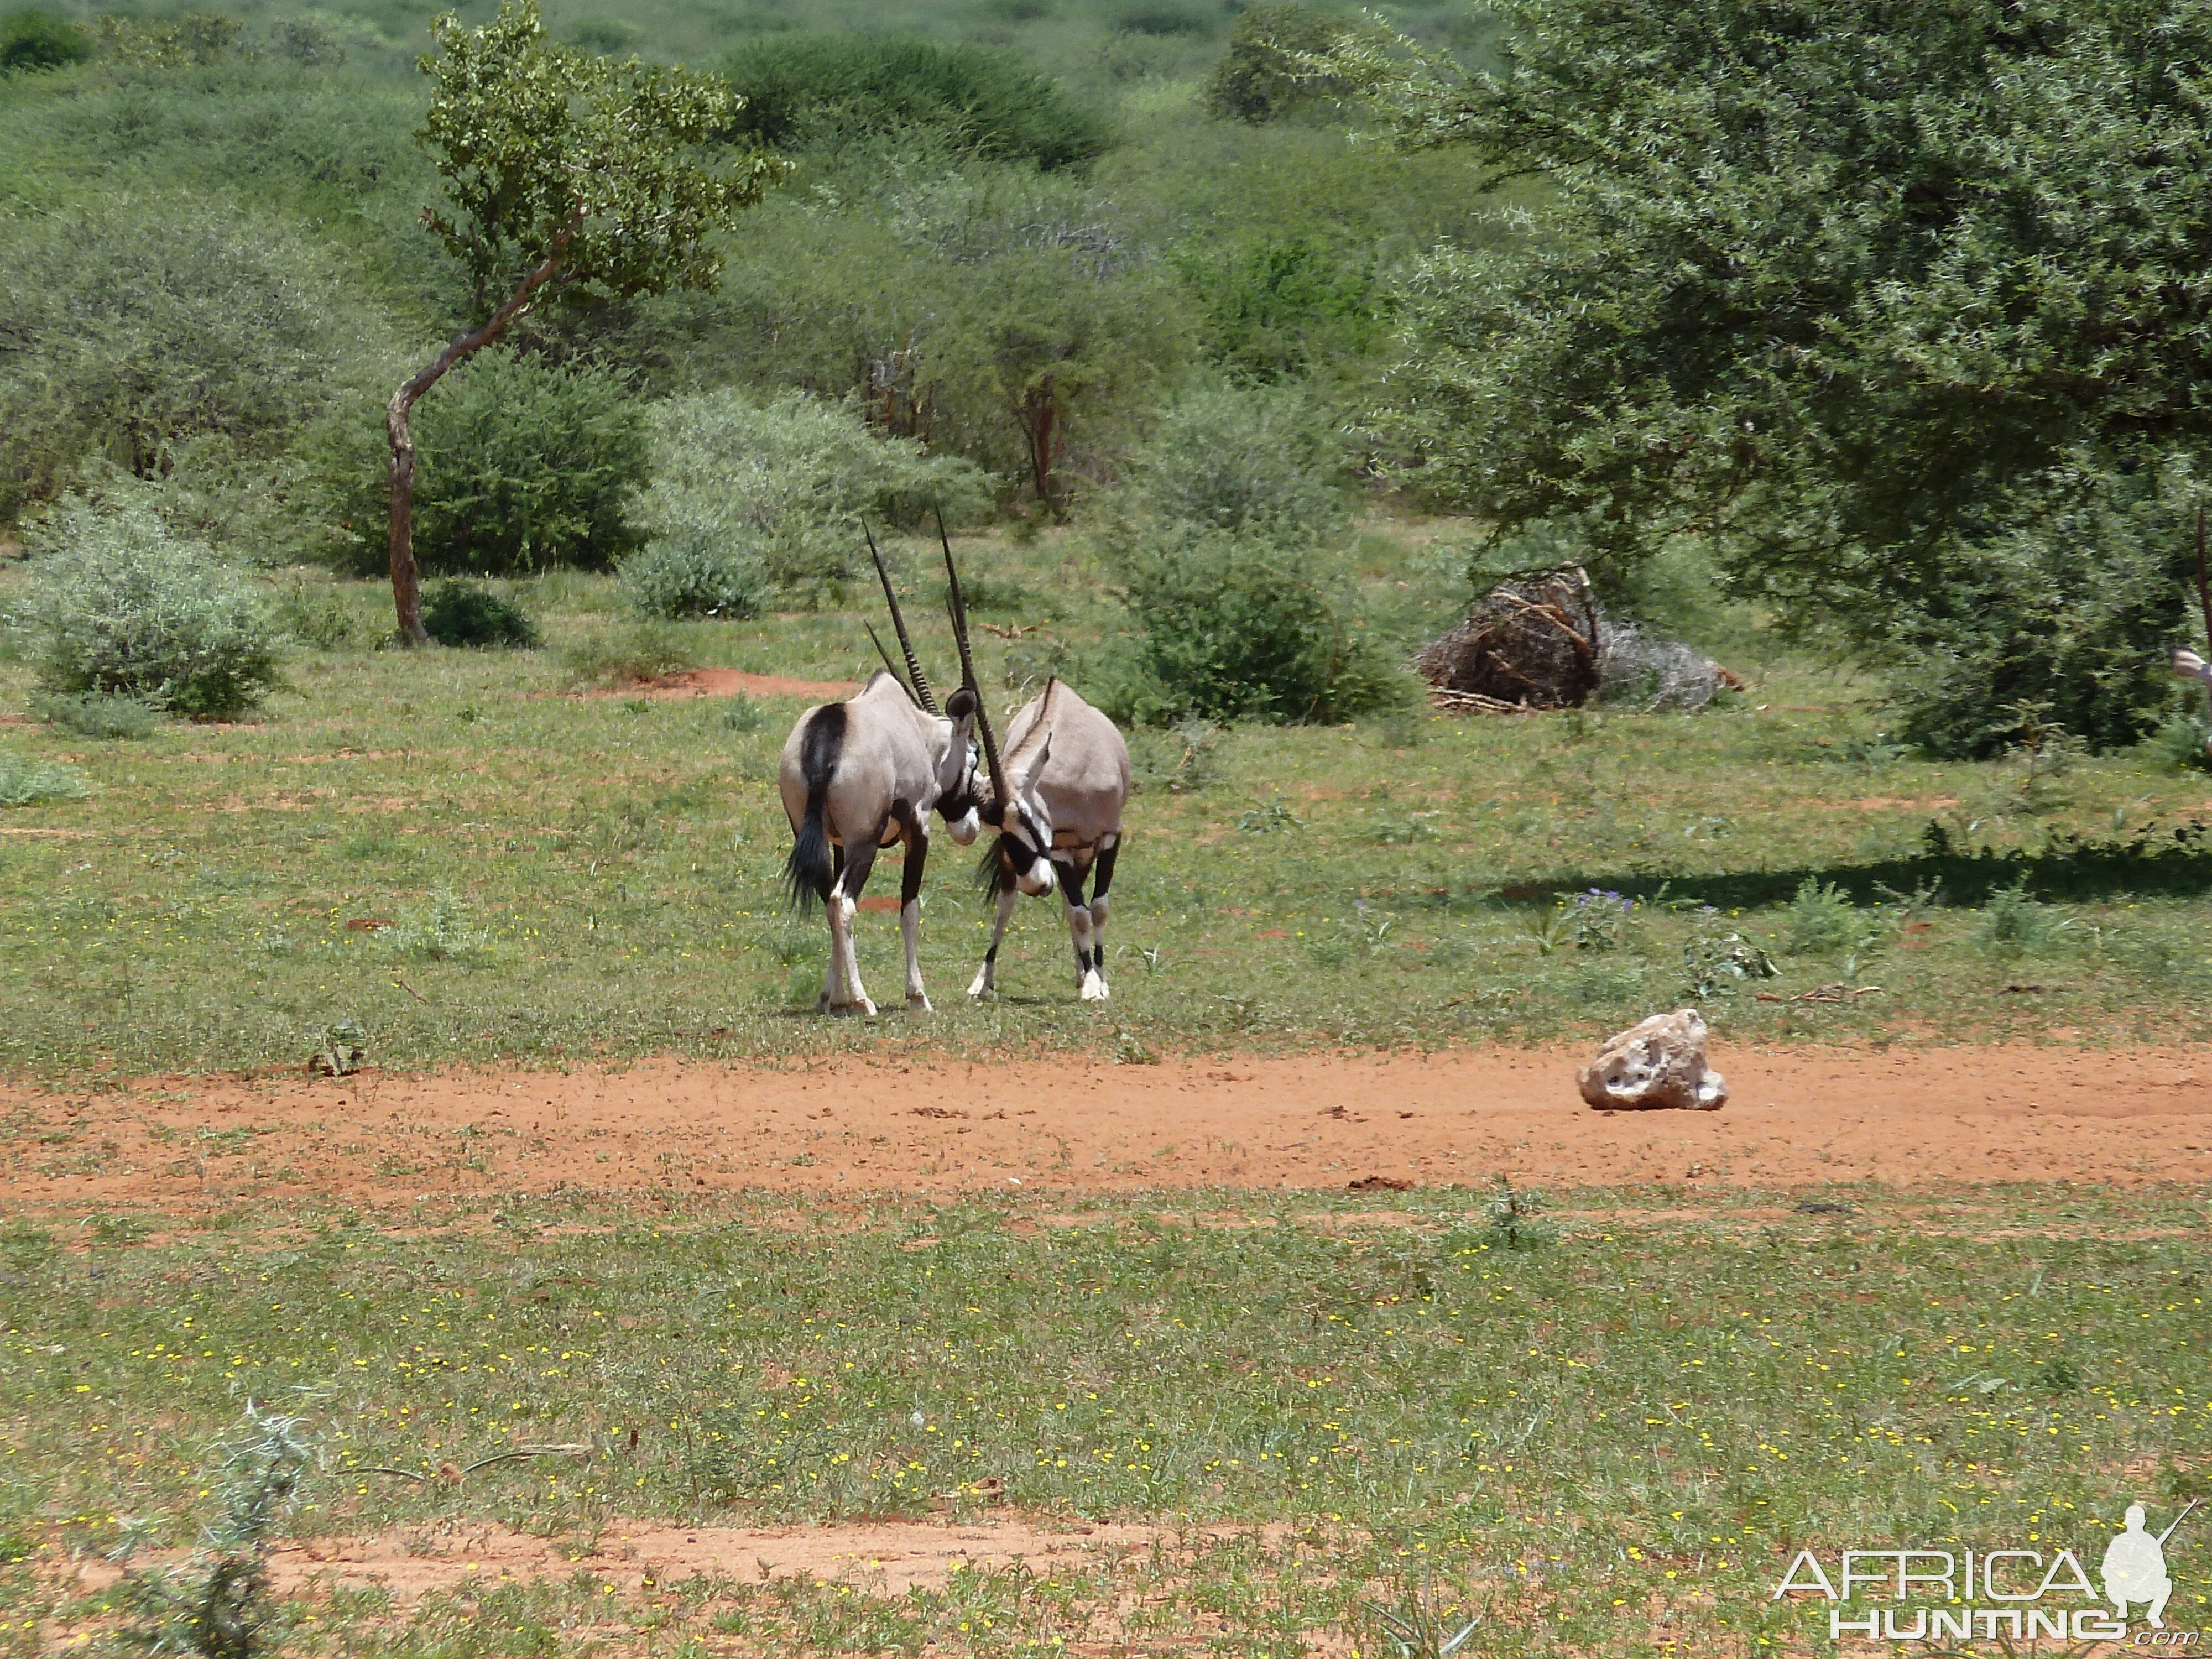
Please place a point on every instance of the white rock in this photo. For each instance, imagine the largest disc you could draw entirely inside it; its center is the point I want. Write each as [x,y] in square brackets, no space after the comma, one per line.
[1659,1063]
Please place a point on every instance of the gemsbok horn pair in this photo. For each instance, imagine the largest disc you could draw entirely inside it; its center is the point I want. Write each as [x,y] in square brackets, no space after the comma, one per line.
[861,775]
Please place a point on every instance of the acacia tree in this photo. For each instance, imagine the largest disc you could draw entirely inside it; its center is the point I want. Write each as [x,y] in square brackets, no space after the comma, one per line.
[564,170]
[1903,306]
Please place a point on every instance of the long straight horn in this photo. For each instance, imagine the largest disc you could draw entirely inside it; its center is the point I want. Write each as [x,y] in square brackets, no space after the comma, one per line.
[899,622]
[890,667]
[959,608]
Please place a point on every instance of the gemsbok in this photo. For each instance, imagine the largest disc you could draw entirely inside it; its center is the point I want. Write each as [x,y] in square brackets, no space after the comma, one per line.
[862,775]
[1056,800]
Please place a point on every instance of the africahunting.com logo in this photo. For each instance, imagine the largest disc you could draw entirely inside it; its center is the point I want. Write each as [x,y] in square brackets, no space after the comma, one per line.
[2011,1594]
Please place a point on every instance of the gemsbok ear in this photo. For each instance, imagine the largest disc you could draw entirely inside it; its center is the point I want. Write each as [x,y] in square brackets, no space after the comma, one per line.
[1030,773]
[960,705]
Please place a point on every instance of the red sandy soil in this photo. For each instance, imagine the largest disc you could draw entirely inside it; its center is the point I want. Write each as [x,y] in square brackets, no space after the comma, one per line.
[889,1556]
[1908,1117]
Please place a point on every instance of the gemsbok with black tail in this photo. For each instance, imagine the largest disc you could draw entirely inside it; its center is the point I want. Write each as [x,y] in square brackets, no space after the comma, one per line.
[1056,799]
[862,775]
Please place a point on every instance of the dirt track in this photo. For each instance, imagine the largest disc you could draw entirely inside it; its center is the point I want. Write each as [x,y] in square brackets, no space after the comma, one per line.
[1908,1117]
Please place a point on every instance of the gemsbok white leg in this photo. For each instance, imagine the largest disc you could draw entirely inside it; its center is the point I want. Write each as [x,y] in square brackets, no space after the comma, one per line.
[986,982]
[1102,878]
[917,853]
[844,901]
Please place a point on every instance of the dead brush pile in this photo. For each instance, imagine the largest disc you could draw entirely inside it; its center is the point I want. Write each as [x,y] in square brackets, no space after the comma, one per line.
[1541,641]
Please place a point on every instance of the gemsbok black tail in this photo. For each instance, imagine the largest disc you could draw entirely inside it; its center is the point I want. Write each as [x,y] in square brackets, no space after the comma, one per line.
[808,870]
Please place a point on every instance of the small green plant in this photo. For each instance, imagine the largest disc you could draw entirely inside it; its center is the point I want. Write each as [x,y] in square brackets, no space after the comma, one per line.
[742,713]
[2180,743]
[462,614]
[1417,1627]
[1516,1218]
[2015,924]
[218,1606]
[102,715]
[1820,920]
[441,933]
[1266,818]
[342,1050]
[2058,1375]
[25,782]
[1717,961]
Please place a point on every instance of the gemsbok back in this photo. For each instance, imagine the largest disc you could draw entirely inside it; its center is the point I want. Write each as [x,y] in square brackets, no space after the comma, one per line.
[860,775]
[1056,800]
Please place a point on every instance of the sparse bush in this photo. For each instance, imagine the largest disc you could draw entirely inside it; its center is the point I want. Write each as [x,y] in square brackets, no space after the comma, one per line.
[521,465]
[1240,629]
[458,613]
[305,42]
[218,1606]
[819,87]
[35,40]
[1821,921]
[748,497]
[102,715]
[194,39]
[2014,923]
[2178,743]
[607,36]
[117,607]
[442,933]
[1254,460]
[1164,19]
[1717,961]
[26,782]
[1517,1218]
[314,616]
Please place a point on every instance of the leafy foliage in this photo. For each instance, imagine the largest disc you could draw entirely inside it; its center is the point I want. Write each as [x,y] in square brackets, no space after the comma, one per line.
[750,497]
[117,607]
[101,715]
[1273,306]
[1900,303]
[160,331]
[808,89]
[546,147]
[35,40]
[523,465]
[1262,75]
[27,782]
[458,613]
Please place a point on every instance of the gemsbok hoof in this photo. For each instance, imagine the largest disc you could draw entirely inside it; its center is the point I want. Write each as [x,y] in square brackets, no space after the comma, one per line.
[917,1002]
[1093,988]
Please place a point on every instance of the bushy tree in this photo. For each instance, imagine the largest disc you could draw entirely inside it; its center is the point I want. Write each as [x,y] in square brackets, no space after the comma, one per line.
[523,465]
[140,329]
[1268,307]
[1265,72]
[806,89]
[117,607]
[1875,296]
[753,497]
[562,169]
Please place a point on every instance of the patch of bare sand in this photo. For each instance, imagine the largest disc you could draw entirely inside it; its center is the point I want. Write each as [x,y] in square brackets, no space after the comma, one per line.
[1911,1118]
[889,1557]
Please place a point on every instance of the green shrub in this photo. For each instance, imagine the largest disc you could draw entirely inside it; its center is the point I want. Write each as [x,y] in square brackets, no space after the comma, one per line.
[607,36]
[117,607]
[687,571]
[810,89]
[1164,18]
[750,497]
[1250,460]
[519,465]
[2180,743]
[99,714]
[195,40]
[1236,629]
[1821,921]
[643,651]
[315,615]
[34,39]
[458,613]
[1258,78]
[26,782]
[1268,307]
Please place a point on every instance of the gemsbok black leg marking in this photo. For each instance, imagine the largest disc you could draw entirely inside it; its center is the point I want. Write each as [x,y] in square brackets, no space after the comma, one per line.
[914,829]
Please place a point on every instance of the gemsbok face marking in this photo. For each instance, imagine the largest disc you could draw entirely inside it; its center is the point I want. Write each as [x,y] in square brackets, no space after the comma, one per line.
[858,776]
[1056,799]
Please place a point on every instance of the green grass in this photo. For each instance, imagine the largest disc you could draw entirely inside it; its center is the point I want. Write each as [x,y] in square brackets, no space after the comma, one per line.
[1652,1413]
[567,876]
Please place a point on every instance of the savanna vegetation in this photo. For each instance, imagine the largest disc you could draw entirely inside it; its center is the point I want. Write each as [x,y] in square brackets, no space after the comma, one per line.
[1240,348]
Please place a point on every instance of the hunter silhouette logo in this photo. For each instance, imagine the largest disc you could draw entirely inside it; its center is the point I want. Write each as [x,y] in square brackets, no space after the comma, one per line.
[2134,1566]
[2011,1594]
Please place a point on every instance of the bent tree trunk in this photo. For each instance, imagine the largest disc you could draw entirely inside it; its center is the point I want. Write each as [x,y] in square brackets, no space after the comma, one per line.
[406,581]
[1045,431]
